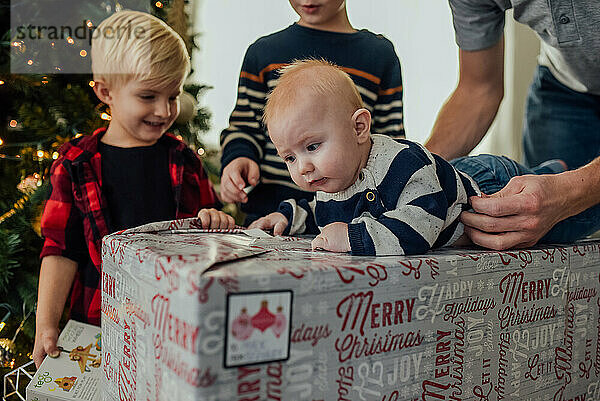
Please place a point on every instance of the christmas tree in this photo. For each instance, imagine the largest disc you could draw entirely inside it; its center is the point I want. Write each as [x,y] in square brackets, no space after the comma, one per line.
[38,113]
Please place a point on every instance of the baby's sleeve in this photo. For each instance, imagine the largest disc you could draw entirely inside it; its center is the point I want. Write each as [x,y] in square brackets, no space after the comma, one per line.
[300,215]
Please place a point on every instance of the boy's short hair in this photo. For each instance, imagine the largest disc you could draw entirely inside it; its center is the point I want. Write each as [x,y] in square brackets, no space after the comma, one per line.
[136,45]
[316,76]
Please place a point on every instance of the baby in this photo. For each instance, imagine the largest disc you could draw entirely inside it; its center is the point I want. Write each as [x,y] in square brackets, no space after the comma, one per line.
[374,195]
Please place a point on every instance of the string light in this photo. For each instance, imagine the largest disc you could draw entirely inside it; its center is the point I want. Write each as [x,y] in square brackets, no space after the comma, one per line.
[55,155]
[40,153]
[1,142]
[70,40]
[89,24]
[30,62]
[158,4]
[78,135]
[92,84]
[44,80]
[13,123]
[1,82]
[201,151]
[83,53]
[18,205]
[180,137]
[105,116]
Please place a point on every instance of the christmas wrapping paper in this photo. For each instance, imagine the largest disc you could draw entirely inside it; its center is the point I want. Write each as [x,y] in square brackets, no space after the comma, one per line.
[189,314]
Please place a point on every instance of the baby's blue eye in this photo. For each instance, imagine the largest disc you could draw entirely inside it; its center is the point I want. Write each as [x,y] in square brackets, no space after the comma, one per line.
[312,147]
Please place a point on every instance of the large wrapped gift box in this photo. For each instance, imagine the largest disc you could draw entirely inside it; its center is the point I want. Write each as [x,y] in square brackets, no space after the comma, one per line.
[189,314]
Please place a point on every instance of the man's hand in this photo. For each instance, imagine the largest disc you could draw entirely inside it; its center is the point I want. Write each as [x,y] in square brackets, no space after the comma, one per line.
[213,218]
[45,344]
[237,175]
[333,237]
[518,215]
[276,221]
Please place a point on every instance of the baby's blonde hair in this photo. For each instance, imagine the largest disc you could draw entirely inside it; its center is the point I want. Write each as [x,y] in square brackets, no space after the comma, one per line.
[136,45]
[312,76]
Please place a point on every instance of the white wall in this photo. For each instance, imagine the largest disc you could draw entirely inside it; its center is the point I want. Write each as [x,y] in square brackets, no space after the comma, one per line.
[421,31]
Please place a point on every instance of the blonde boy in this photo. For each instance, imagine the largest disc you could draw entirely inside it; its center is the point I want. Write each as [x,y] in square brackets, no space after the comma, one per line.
[374,195]
[128,174]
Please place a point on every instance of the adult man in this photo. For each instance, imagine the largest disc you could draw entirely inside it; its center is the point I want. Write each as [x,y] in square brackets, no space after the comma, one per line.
[562,117]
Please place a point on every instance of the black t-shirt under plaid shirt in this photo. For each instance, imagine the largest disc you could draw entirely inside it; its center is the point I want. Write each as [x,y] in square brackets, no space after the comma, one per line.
[136,184]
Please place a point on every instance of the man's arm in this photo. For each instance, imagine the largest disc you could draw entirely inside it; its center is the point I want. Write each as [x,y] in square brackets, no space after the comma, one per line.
[56,277]
[468,113]
[529,206]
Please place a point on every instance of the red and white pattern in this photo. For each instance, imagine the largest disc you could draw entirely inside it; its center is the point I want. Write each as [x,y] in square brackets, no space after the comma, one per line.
[454,324]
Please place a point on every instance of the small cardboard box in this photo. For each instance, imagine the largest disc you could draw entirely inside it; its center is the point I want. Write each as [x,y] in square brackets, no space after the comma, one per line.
[75,374]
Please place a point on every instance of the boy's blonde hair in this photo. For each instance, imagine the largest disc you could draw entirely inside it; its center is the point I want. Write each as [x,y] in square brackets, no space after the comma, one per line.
[136,45]
[317,77]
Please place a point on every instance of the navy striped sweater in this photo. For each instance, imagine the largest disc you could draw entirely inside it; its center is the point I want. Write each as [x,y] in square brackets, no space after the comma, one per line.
[405,201]
[369,59]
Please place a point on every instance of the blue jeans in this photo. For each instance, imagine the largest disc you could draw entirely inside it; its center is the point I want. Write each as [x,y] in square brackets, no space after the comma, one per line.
[492,173]
[560,123]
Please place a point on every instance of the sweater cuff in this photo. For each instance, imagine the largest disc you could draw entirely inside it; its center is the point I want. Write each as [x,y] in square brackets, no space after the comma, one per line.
[286,209]
[357,247]
[238,148]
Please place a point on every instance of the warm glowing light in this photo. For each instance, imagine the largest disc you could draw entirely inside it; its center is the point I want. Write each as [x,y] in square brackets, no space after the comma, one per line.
[92,83]
[70,40]
[40,153]
[2,324]
[83,53]
[158,4]
[55,155]
[13,123]
[105,116]
[44,80]
[29,62]
[16,44]
[89,24]
[180,137]
[78,135]
[1,142]
[201,151]
[1,82]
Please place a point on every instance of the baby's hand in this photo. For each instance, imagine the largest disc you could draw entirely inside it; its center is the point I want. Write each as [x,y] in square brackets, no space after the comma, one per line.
[45,344]
[333,237]
[213,218]
[276,221]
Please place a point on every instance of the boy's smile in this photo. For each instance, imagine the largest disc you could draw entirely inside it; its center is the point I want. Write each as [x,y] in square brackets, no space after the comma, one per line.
[141,113]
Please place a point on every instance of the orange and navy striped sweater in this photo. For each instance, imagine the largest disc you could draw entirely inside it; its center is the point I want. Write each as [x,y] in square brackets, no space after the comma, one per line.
[368,58]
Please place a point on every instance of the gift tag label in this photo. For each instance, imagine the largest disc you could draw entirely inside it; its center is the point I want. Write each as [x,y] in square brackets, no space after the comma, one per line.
[258,327]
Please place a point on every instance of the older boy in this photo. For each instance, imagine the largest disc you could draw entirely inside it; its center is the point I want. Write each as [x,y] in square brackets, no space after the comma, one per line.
[374,196]
[323,30]
[125,175]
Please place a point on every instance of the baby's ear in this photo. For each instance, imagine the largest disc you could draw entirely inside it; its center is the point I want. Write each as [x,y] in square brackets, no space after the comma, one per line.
[102,90]
[361,119]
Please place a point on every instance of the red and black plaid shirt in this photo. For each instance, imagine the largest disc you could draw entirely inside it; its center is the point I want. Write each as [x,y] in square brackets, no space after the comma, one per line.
[77,211]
